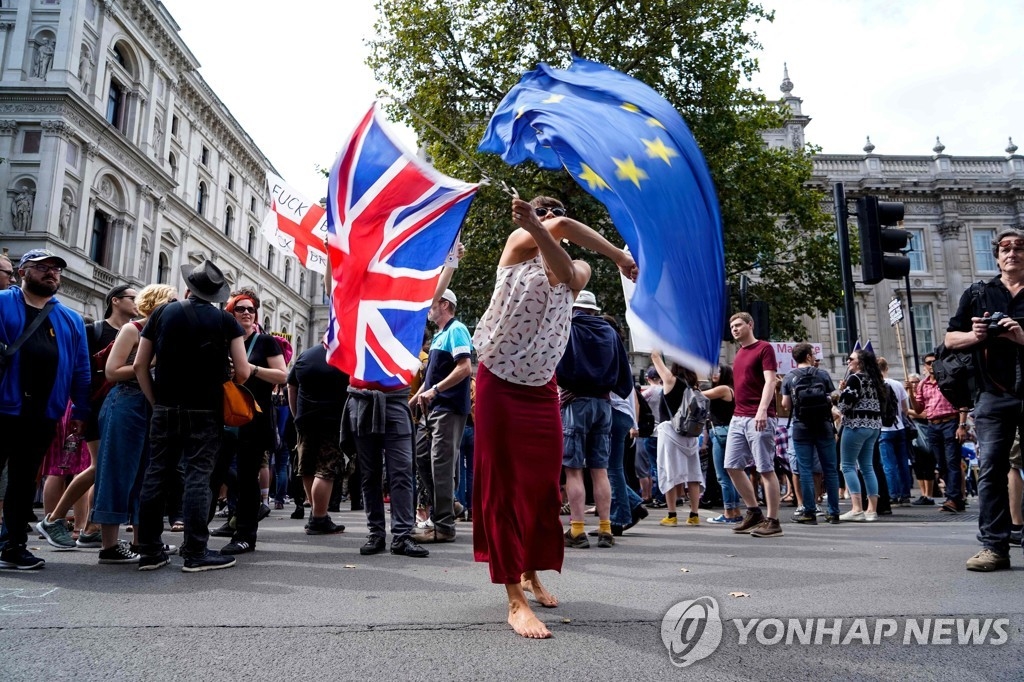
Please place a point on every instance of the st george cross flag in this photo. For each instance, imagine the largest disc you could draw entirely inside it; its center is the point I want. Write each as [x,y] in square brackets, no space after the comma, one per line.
[295,225]
[626,146]
[391,221]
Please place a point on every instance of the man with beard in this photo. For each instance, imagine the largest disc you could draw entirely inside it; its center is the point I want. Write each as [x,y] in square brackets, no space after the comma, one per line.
[49,365]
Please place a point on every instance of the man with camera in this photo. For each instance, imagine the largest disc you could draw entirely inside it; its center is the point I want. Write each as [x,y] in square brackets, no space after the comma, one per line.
[999,410]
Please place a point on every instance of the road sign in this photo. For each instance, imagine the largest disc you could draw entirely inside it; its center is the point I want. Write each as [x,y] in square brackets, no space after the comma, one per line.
[895,311]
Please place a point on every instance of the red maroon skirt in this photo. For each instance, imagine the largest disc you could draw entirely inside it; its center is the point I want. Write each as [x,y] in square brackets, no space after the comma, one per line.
[518,460]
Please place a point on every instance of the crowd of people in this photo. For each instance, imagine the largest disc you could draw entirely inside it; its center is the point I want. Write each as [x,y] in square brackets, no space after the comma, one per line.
[535,412]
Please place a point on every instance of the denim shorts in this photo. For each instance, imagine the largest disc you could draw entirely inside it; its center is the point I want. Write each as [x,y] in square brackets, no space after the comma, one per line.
[586,431]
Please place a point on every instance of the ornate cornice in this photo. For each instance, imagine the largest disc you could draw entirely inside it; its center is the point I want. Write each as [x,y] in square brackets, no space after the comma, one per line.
[8,127]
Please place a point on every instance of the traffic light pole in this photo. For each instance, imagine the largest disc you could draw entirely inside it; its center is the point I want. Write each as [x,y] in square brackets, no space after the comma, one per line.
[913,327]
[845,266]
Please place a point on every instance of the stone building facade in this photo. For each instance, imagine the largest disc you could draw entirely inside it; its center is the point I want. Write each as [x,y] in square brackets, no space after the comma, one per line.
[121,158]
[954,207]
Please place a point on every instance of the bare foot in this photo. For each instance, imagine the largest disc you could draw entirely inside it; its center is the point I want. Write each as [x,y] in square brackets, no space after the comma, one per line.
[539,592]
[525,623]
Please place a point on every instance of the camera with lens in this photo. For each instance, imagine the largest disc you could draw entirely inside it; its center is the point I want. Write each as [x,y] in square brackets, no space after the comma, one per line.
[994,327]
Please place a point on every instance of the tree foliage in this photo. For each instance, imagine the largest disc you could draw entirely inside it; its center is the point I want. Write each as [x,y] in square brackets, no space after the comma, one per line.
[451,62]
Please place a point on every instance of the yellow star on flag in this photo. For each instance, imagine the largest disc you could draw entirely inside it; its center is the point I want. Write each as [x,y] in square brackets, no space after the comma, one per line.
[521,111]
[630,107]
[657,149]
[553,99]
[593,180]
[628,170]
[655,123]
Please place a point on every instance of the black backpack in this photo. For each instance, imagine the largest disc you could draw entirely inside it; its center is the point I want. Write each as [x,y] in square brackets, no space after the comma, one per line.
[891,413]
[811,402]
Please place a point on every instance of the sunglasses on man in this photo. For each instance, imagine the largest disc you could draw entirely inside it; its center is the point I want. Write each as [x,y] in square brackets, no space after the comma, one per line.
[542,211]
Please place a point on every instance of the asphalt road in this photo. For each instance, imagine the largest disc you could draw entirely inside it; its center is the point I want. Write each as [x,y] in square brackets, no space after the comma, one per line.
[305,607]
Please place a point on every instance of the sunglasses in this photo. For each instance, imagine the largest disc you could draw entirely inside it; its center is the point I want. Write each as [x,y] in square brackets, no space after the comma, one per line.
[130,298]
[928,362]
[242,309]
[542,211]
[9,273]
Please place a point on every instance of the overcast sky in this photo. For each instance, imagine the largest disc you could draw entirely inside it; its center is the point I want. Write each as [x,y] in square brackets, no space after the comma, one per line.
[901,71]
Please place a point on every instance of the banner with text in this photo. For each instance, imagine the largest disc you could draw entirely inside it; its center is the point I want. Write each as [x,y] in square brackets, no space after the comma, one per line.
[295,225]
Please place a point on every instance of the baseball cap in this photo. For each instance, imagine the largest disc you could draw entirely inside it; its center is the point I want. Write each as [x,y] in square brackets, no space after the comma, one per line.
[36,255]
[449,296]
[586,299]
[111,295]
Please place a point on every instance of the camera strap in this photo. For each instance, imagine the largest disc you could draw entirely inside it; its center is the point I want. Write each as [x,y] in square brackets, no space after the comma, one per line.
[30,330]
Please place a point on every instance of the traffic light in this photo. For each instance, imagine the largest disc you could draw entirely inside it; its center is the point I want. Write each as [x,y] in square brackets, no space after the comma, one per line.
[879,242]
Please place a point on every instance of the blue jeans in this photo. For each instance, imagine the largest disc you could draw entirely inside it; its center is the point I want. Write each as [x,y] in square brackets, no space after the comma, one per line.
[465,491]
[857,447]
[179,435]
[730,498]
[824,446]
[997,419]
[946,448]
[651,457]
[123,448]
[892,446]
[624,498]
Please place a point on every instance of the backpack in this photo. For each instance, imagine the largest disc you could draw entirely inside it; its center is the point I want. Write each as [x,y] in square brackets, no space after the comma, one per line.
[693,413]
[99,386]
[811,402]
[891,413]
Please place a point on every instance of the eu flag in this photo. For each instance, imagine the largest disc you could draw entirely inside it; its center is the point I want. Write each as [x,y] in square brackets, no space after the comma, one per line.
[630,149]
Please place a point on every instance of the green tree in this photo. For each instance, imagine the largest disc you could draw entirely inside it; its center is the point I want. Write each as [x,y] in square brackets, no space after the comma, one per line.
[451,62]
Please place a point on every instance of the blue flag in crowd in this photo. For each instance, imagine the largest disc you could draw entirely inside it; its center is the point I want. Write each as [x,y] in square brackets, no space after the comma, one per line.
[626,145]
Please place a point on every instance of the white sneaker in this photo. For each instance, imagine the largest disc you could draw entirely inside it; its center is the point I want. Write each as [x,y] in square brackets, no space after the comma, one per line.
[854,516]
[425,525]
[870,516]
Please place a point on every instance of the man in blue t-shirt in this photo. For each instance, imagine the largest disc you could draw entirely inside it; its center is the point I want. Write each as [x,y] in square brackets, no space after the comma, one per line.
[444,400]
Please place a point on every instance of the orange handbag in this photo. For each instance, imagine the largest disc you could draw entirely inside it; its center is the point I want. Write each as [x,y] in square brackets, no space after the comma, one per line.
[240,407]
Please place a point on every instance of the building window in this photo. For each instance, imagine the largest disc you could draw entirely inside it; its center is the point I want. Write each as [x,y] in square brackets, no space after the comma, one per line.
[201,198]
[173,161]
[174,126]
[231,182]
[30,142]
[252,204]
[924,327]
[270,257]
[251,244]
[98,251]
[121,59]
[842,331]
[115,105]
[918,262]
[163,272]
[984,261]
[71,156]
[287,269]
[205,156]
[302,282]
[229,220]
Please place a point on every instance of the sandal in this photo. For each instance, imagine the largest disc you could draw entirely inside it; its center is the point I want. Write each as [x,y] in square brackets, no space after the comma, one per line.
[565,510]
[178,527]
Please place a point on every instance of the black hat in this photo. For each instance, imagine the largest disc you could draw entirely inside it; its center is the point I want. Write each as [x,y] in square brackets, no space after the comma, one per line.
[206,281]
[116,292]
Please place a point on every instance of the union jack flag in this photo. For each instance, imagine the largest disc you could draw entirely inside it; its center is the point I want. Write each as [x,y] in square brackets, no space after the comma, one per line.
[391,221]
